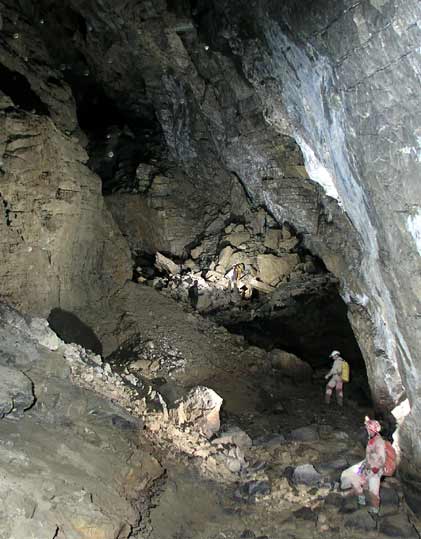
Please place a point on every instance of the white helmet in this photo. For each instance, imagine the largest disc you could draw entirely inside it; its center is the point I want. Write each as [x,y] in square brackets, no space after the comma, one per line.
[335,353]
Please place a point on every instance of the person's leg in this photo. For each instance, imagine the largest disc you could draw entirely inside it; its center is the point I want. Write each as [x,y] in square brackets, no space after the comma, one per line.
[339,392]
[329,389]
[374,492]
[328,394]
[357,484]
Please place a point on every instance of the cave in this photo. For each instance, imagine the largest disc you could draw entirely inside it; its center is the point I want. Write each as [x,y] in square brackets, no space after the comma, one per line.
[202,201]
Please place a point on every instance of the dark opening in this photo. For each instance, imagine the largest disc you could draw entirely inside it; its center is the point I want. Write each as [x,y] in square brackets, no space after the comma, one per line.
[16,86]
[310,327]
[72,330]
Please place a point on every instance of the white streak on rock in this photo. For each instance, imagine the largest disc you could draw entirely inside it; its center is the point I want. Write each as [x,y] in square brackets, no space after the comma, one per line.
[317,171]
[414,227]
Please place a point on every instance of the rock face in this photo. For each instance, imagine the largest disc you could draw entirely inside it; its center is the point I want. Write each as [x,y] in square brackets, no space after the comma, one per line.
[59,245]
[15,392]
[321,78]
[249,99]
[70,444]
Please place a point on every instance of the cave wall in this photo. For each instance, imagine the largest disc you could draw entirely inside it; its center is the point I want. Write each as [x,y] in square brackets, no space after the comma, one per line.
[272,95]
[59,245]
[348,78]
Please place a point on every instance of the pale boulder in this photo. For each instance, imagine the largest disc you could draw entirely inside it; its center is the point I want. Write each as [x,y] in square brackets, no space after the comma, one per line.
[165,264]
[200,409]
[273,237]
[290,365]
[43,334]
[272,269]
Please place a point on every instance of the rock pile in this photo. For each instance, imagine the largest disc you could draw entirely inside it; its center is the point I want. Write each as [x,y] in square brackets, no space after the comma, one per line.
[243,264]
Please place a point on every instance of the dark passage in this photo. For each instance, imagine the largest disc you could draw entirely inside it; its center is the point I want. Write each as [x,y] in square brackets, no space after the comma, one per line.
[72,330]
[19,90]
[311,326]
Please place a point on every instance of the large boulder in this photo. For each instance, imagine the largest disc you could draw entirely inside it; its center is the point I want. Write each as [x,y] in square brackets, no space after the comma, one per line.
[43,334]
[238,236]
[272,269]
[200,408]
[290,365]
[165,264]
[306,474]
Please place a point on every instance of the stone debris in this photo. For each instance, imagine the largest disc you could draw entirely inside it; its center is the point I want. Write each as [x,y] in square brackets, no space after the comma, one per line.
[251,490]
[140,354]
[234,436]
[306,474]
[244,268]
[305,434]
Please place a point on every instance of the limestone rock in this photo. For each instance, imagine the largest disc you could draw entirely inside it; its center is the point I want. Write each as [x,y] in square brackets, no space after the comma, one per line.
[197,251]
[288,244]
[16,394]
[306,474]
[200,407]
[166,264]
[59,236]
[5,101]
[224,262]
[360,520]
[144,174]
[290,365]
[273,238]
[261,287]
[398,526]
[238,237]
[234,436]
[41,331]
[305,434]
[272,269]
[346,476]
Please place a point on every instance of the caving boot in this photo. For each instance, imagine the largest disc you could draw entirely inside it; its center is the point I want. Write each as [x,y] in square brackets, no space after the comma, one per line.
[374,504]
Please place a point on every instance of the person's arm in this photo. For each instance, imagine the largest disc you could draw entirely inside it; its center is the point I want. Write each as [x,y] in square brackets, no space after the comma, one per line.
[330,373]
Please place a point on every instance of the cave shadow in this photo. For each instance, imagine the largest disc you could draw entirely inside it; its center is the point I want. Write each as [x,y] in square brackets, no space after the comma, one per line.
[72,330]
[311,326]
